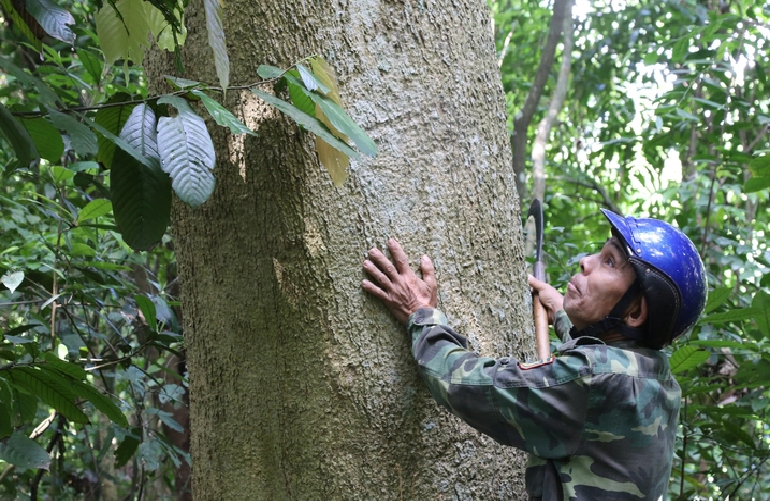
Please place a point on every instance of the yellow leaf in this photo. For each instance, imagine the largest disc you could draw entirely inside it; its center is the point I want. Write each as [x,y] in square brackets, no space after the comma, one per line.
[325,74]
[336,163]
[334,160]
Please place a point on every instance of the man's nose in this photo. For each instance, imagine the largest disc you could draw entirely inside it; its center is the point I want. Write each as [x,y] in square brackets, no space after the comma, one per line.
[586,264]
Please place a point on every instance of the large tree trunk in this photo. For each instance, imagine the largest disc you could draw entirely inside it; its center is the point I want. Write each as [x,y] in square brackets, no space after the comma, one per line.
[301,386]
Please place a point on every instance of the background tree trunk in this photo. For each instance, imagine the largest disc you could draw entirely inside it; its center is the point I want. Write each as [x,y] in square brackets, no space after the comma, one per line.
[561,10]
[301,386]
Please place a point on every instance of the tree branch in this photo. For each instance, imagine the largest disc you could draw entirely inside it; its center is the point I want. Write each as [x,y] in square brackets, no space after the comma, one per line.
[524,117]
[590,183]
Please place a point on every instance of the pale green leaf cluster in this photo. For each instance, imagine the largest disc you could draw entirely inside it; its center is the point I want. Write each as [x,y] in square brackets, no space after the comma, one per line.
[124,26]
[187,153]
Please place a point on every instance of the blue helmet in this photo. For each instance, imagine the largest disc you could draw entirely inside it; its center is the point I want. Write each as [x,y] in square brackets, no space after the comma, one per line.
[669,271]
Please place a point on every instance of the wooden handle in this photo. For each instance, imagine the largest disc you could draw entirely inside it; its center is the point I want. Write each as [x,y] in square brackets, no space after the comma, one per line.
[541,329]
[542,340]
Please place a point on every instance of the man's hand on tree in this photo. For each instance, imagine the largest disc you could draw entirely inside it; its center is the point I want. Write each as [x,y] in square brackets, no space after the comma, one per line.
[550,298]
[399,287]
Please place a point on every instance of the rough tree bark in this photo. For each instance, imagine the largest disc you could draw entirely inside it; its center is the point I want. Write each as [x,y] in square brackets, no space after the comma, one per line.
[301,386]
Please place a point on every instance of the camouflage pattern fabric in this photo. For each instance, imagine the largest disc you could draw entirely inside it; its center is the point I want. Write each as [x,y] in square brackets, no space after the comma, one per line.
[599,421]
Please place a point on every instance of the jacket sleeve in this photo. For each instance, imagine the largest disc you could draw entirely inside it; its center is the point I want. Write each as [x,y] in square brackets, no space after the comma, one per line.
[538,407]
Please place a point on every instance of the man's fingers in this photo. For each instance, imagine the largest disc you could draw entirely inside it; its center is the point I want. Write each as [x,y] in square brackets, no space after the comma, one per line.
[374,290]
[536,284]
[383,263]
[376,274]
[399,256]
[428,272]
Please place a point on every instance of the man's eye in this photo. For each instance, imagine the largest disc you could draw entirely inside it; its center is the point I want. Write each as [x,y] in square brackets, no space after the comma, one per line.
[610,261]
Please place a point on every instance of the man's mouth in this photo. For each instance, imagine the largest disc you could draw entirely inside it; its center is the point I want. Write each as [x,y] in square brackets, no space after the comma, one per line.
[572,285]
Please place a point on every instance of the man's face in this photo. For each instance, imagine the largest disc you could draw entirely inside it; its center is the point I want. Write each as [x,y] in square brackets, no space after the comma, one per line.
[602,281]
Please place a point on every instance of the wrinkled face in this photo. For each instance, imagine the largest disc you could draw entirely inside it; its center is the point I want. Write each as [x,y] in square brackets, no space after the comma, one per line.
[602,281]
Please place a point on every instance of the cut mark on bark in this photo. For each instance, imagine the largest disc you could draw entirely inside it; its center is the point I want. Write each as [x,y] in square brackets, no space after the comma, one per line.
[313,240]
[288,290]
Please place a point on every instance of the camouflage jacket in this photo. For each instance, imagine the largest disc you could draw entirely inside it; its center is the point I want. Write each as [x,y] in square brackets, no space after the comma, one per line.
[599,421]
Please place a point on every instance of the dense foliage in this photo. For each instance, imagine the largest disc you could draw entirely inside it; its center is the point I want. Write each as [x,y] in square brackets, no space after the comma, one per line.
[666,115]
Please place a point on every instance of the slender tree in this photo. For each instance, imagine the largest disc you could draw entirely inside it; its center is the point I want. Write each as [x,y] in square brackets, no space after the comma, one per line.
[301,387]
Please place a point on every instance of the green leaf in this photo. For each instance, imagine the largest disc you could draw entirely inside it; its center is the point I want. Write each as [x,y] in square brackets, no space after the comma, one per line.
[141,201]
[311,81]
[756,184]
[94,209]
[163,27]
[310,123]
[18,339]
[63,367]
[679,52]
[651,58]
[21,142]
[8,354]
[101,265]
[216,37]
[123,145]
[735,315]
[181,83]
[761,304]
[171,393]
[20,329]
[84,141]
[112,119]
[687,357]
[122,36]
[83,165]
[103,403]
[760,166]
[716,298]
[266,71]
[709,104]
[187,153]
[139,132]
[24,452]
[167,418]
[50,390]
[60,174]
[25,405]
[6,409]
[723,343]
[340,120]
[222,115]
[46,137]
[301,100]
[738,433]
[754,372]
[686,115]
[91,63]
[13,280]
[127,447]
[148,310]
[53,19]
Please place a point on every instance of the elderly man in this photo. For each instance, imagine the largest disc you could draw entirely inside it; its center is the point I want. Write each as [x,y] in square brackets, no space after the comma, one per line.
[599,420]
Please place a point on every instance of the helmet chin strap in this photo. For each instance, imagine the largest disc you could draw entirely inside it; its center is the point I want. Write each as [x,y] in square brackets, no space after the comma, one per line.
[614,320]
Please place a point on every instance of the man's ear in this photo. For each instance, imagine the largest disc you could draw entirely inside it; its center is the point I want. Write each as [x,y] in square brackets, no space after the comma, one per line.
[637,313]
